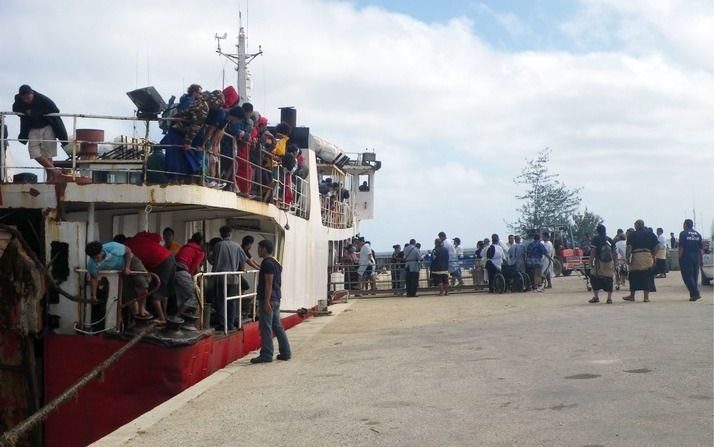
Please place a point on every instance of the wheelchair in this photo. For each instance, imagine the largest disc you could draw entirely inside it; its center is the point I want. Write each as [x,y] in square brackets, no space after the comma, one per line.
[509,278]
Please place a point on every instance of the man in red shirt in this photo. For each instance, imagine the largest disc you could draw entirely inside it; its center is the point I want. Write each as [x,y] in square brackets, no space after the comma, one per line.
[188,261]
[159,260]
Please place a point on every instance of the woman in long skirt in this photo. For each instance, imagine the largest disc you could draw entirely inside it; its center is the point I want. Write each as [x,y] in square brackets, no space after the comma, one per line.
[641,246]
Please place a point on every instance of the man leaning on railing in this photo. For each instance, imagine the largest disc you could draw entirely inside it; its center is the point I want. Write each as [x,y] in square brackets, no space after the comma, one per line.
[40,130]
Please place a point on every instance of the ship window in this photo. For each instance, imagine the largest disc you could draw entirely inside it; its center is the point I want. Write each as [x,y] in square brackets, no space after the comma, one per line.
[364,183]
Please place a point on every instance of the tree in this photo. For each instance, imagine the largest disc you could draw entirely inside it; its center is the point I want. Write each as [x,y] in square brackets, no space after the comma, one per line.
[585,222]
[548,202]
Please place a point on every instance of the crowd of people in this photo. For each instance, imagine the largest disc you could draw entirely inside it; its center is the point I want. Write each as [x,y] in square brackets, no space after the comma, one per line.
[212,135]
[638,255]
[209,137]
[158,270]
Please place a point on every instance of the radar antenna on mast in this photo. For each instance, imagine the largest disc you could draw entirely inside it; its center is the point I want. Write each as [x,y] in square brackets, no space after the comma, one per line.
[240,58]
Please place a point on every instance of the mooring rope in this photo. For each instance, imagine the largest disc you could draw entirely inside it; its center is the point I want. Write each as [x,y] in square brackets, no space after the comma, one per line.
[11,437]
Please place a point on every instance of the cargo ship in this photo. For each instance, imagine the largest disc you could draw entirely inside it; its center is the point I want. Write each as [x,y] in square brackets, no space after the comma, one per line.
[52,333]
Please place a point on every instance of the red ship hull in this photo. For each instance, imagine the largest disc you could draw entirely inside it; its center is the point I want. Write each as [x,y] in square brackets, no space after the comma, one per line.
[146,376]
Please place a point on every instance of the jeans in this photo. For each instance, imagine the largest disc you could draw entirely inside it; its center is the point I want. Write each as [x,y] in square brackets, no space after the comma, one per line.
[412,283]
[218,303]
[689,269]
[269,324]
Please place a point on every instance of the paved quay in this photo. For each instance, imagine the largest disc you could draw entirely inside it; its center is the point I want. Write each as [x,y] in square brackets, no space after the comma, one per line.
[470,369]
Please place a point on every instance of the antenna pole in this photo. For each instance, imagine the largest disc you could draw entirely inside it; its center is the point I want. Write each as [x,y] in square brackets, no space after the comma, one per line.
[241,59]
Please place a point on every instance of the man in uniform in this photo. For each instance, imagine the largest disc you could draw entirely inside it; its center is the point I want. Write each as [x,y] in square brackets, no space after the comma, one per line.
[690,258]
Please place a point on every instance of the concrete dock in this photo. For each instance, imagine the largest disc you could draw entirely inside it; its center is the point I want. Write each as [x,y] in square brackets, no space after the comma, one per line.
[469,369]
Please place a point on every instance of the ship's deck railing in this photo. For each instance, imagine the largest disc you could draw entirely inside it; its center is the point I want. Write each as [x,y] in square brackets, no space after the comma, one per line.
[335,213]
[222,283]
[138,160]
[120,302]
[335,209]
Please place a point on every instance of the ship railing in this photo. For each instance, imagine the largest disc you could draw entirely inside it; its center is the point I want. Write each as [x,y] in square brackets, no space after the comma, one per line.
[222,282]
[335,208]
[335,213]
[110,308]
[390,278]
[131,160]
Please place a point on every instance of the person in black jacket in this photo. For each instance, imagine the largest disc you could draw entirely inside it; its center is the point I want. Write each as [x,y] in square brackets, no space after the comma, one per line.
[39,129]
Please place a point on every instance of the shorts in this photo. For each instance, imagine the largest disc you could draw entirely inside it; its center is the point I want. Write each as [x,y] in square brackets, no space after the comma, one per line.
[439,278]
[185,294]
[132,283]
[166,272]
[42,142]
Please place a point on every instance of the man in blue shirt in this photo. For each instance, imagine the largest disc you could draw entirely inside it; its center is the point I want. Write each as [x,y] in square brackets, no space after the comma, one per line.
[116,256]
[268,294]
[690,258]
[440,266]
[534,261]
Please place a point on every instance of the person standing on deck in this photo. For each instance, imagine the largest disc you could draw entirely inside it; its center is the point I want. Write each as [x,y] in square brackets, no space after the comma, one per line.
[170,241]
[39,130]
[641,249]
[690,258]
[269,295]
[661,261]
[188,261]
[229,257]
[116,256]
[412,259]
[158,260]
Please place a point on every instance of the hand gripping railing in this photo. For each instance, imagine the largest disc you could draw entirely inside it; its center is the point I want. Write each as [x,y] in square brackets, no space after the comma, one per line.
[240,296]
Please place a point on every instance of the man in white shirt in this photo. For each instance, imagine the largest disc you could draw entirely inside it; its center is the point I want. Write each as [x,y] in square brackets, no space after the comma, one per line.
[454,266]
[365,256]
[548,260]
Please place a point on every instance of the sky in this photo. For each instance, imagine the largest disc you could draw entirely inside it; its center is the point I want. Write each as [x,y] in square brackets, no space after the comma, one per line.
[453,96]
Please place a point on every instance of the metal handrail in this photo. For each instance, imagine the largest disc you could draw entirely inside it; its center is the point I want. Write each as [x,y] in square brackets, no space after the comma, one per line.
[299,205]
[226,297]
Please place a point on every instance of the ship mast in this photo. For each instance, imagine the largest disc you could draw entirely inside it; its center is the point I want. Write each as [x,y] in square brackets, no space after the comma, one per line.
[240,59]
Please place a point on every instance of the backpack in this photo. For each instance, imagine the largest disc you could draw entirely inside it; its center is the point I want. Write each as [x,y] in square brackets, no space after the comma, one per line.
[215,99]
[604,253]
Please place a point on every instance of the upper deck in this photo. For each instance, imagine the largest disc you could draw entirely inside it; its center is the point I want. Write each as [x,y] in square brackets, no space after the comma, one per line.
[130,172]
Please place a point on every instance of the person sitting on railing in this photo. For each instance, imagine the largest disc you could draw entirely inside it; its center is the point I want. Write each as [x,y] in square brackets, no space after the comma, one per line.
[239,127]
[182,160]
[116,256]
[40,130]
[158,260]
[188,261]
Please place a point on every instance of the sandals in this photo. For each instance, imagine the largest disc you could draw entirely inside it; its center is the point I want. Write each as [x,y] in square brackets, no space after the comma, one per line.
[594,300]
[609,301]
[628,298]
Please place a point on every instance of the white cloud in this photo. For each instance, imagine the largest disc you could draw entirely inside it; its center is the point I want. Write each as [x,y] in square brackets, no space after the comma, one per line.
[451,117]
